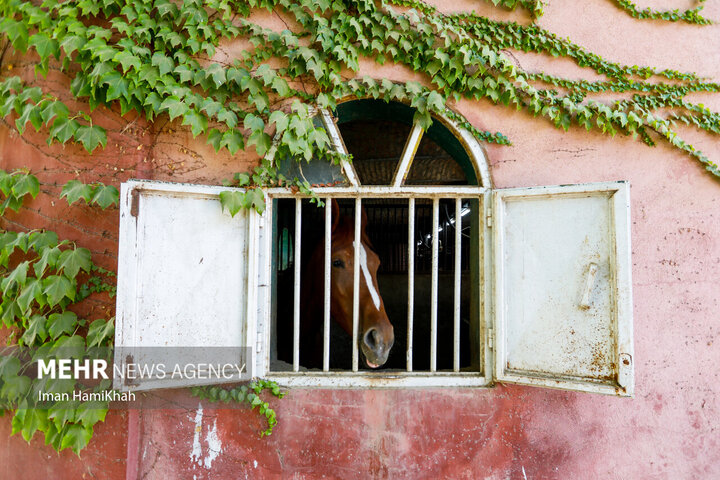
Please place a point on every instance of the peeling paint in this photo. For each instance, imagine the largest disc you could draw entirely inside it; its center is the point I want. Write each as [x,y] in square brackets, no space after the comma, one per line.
[196,453]
[214,445]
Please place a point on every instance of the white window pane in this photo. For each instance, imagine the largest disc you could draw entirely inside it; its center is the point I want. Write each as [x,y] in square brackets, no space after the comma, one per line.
[182,276]
[562,287]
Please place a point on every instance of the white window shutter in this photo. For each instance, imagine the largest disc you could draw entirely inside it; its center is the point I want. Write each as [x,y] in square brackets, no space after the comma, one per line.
[562,289]
[182,282]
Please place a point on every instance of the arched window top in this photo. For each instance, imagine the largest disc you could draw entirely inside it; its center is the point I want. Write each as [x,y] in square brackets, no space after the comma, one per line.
[381,135]
[390,149]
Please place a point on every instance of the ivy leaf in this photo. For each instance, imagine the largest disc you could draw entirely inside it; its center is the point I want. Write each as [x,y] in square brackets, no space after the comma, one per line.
[45,46]
[31,113]
[75,190]
[280,119]
[36,329]
[198,122]
[91,136]
[35,419]
[253,122]
[214,138]
[233,140]
[127,60]
[71,261]
[39,240]
[90,413]
[63,129]
[15,387]
[256,199]
[217,73]
[99,331]
[233,201]
[174,106]
[16,277]
[117,86]
[281,87]
[105,195]
[31,291]
[57,287]
[25,184]
[52,110]
[163,62]
[48,257]
[60,323]
[77,437]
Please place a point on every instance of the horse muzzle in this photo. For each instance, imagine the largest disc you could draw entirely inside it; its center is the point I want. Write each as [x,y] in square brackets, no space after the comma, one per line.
[376,344]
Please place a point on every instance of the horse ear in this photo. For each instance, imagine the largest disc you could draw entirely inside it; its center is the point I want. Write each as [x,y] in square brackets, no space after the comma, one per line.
[335,215]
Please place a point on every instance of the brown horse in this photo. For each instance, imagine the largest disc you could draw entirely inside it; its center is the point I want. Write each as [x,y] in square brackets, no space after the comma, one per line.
[376,335]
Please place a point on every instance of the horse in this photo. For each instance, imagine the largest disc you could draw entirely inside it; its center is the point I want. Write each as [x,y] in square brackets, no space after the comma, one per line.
[376,335]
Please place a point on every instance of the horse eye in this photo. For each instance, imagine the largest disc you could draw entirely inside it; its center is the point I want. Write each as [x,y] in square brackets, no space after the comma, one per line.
[338,264]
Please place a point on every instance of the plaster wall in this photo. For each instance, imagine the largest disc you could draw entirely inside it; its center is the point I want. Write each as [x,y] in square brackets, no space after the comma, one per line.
[668,431]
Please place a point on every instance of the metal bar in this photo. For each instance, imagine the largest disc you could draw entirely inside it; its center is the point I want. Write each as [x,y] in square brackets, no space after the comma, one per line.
[458,267]
[296,295]
[408,154]
[434,286]
[337,141]
[411,282]
[326,307]
[385,191]
[356,283]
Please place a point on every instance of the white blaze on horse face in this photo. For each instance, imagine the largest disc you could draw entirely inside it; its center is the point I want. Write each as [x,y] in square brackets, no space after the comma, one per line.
[368,279]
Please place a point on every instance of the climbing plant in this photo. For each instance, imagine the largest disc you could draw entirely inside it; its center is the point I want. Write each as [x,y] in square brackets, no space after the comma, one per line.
[163,59]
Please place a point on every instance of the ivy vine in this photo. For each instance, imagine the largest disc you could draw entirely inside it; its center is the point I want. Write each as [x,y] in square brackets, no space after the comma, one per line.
[159,59]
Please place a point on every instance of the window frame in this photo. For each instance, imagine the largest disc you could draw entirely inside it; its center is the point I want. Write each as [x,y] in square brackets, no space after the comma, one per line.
[259,280]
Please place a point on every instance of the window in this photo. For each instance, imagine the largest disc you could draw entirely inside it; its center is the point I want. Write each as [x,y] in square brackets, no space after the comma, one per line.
[532,288]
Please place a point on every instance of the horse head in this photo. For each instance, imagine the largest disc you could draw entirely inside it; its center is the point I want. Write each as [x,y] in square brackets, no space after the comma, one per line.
[376,335]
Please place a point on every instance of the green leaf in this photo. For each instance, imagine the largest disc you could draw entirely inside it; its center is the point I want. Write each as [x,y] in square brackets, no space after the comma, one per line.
[39,240]
[198,122]
[25,184]
[174,106]
[105,195]
[127,60]
[35,419]
[280,119]
[233,140]
[77,437]
[57,287]
[15,387]
[100,331]
[163,62]
[72,260]
[281,87]
[256,198]
[91,137]
[233,201]
[217,73]
[31,291]
[214,138]
[63,129]
[75,190]
[16,277]
[45,46]
[60,323]
[31,113]
[90,413]
[48,257]
[54,109]
[36,329]
[117,86]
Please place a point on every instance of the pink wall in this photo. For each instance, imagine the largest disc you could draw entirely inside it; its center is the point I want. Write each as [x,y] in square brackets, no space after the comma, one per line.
[668,431]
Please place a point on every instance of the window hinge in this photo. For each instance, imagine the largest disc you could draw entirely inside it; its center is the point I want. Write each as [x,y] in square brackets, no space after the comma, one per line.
[488,219]
[491,338]
[135,202]
[258,345]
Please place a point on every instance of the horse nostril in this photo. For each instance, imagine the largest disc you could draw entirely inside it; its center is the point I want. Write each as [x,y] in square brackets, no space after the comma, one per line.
[372,338]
